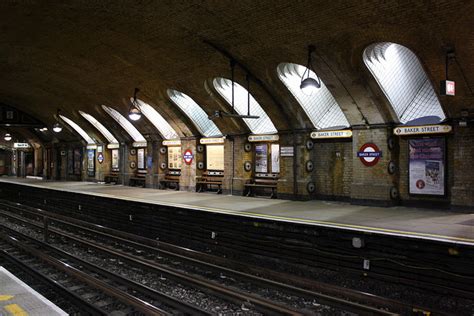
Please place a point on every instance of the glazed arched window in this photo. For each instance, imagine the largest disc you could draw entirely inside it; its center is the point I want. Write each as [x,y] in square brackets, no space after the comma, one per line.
[126,125]
[78,129]
[402,78]
[262,125]
[165,129]
[321,107]
[102,129]
[200,119]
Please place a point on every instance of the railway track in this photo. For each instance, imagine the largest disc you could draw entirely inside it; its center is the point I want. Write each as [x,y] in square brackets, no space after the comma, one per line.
[158,255]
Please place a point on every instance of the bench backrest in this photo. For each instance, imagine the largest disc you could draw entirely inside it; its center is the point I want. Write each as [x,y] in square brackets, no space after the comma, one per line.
[266,178]
[141,173]
[213,175]
[173,175]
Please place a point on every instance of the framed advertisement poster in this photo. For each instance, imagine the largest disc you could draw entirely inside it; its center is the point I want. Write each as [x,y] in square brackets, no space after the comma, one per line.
[275,150]
[141,158]
[427,164]
[261,159]
[215,157]
[174,157]
[115,159]
[91,162]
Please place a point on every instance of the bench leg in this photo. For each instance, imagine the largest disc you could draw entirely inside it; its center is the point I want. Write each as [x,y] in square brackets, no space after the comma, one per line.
[273,196]
[219,190]
[249,192]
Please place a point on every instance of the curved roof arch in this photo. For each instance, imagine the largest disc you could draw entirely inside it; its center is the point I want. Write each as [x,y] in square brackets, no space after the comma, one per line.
[321,107]
[126,125]
[163,127]
[404,82]
[102,129]
[197,115]
[262,125]
[78,129]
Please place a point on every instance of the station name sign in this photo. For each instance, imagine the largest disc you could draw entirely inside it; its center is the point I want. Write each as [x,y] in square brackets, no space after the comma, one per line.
[212,140]
[263,138]
[91,146]
[422,129]
[21,145]
[172,142]
[139,144]
[113,146]
[331,134]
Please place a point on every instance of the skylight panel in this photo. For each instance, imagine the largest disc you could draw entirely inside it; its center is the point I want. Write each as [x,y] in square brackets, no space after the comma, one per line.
[102,129]
[165,129]
[402,78]
[126,125]
[78,129]
[200,119]
[321,107]
[262,125]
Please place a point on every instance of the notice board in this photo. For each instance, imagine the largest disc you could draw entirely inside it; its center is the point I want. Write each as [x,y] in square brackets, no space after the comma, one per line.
[215,157]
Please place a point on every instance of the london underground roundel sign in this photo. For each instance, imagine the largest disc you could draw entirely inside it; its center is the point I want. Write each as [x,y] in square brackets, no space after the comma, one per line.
[188,156]
[369,154]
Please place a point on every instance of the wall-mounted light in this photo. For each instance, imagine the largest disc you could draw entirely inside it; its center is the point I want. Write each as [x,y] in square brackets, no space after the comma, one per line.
[308,84]
[134,112]
[7,137]
[57,127]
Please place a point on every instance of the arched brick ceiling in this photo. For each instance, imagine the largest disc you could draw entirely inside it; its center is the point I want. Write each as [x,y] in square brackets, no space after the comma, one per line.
[81,54]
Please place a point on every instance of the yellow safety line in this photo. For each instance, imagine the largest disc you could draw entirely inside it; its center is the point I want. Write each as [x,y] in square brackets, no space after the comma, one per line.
[5,297]
[16,310]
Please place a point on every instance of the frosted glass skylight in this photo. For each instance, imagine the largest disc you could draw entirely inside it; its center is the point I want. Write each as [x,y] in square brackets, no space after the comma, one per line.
[262,125]
[402,78]
[165,129]
[200,119]
[104,131]
[78,129]
[126,125]
[321,107]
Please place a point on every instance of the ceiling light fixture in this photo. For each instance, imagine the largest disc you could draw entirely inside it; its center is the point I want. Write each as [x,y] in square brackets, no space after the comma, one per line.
[308,84]
[8,137]
[134,112]
[57,127]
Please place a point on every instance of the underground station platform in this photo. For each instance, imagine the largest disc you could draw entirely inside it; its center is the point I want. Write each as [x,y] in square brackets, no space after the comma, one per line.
[420,223]
[419,260]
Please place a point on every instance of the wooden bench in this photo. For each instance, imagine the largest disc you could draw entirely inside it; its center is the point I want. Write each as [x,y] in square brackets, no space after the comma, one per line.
[208,179]
[139,179]
[112,177]
[172,177]
[262,181]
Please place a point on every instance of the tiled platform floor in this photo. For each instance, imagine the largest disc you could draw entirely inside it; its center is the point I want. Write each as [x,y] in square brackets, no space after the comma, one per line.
[17,298]
[440,225]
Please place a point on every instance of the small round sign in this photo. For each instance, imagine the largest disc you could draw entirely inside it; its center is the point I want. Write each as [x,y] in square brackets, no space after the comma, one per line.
[369,154]
[100,158]
[188,156]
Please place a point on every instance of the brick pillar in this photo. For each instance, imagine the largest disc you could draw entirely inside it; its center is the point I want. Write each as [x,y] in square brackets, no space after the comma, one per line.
[126,159]
[373,185]
[187,180]
[153,169]
[462,192]
[235,158]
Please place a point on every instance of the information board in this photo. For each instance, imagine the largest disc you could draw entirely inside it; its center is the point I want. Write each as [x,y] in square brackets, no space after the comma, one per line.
[174,157]
[215,157]
[261,159]
[141,158]
[115,159]
[427,166]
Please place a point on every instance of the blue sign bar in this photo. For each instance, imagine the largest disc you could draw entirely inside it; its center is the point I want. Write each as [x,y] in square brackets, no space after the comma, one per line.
[369,154]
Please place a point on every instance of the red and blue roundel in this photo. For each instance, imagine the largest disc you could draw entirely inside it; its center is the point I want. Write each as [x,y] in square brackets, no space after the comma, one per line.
[188,156]
[369,154]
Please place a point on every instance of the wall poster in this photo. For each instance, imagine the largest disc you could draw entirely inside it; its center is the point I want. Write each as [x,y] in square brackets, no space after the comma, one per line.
[174,157]
[91,162]
[261,159]
[77,161]
[115,159]
[275,150]
[141,158]
[427,166]
[215,157]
